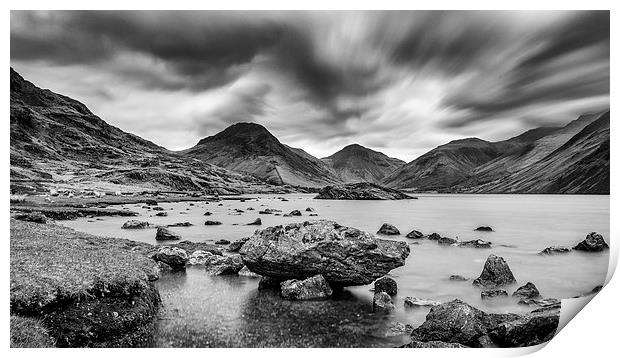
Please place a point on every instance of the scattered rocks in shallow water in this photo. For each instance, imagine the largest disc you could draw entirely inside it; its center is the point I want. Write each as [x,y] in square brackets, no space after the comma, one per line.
[387,285]
[245,271]
[181,224]
[345,256]
[485,295]
[478,244]
[166,234]
[433,344]
[553,250]
[414,234]
[295,213]
[313,288]
[388,229]
[258,221]
[199,257]
[534,328]
[528,290]
[135,224]
[161,213]
[446,241]
[483,228]
[172,256]
[398,329]
[495,273]
[33,217]
[418,302]
[540,302]
[224,265]
[269,283]
[212,222]
[593,243]
[222,242]
[360,191]
[236,245]
[458,278]
[434,236]
[382,302]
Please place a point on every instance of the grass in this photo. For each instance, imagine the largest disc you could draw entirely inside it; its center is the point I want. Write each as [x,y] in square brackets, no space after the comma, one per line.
[53,265]
[29,333]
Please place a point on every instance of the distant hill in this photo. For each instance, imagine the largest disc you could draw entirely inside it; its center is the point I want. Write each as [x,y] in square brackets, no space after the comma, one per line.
[56,140]
[355,163]
[251,148]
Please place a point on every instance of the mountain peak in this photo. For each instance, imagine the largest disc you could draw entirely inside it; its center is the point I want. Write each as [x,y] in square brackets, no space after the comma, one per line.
[242,132]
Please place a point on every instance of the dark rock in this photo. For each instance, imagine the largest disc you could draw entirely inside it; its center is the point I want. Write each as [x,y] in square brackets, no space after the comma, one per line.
[446,241]
[344,256]
[222,242]
[434,236]
[150,202]
[33,217]
[165,234]
[483,228]
[478,244]
[495,273]
[388,229]
[360,191]
[258,221]
[433,344]
[172,256]
[208,213]
[162,213]
[594,242]
[485,295]
[236,245]
[534,328]
[158,208]
[387,285]
[414,234]
[313,214]
[310,209]
[381,302]
[295,213]
[135,224]
[528,290]
[313,288]
[418,302]
[596,289]
[458,278]
[212,222]
[181,224]
[224,265]
[269,283]
[552,250]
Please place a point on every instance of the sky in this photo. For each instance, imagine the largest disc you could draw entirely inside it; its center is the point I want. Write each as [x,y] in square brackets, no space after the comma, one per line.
[400,82]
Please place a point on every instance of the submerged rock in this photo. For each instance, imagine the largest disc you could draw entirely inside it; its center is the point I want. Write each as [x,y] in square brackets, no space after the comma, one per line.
[495,273]
[387,285]
[212,222]
[594,242]
[381,302]
[344,256]
[166,234]
[485,295]
[258,221]
[32,217]
[414,234]
[150,202]
[483,228]
[528,290]
[534,328]
[309,209]
[458,278]
[553,250]
[388,229]
[360,191]
[312,288]
[478,244]
[208,213]
[224,265]
[172,256]
[418,302]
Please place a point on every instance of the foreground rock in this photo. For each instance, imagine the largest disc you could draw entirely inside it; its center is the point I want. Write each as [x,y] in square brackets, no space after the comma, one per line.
[387,285]
[495,273]
[418,302]
[553,250]
[388,229]
[199,257]
[172,256]
[528,290]
[382,302]
[594,243]
[245,271]
[360,191]
[534,328]
[135,224]
[164,234]
[313,288]
[344,256]
[236,245]
[414,234]
[223,265]
[433,344]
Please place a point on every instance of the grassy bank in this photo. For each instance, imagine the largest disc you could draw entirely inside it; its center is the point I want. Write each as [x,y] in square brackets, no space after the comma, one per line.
[81,289]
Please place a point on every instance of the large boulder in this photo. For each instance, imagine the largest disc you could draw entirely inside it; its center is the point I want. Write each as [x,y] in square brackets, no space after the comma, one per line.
[361,191]
[387,285]
[172,256]
[388,229]
[164,234]
[495,273]
[528,290]
[382,302]
[223,265]
[344,256]
[534,328]
[594,242]
[312,288]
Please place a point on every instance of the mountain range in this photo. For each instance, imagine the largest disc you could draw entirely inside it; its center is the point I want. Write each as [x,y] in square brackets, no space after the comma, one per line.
[56,140]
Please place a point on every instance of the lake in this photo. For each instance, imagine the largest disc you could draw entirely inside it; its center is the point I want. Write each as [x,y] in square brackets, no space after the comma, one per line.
[229,311]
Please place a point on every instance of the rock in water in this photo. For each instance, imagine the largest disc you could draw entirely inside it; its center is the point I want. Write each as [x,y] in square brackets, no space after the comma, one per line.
[387,285]
[418,302]
[213,222]
[223,265]
[540,302]
[360,191]
[594,242]
[446,241]
[222,242]
[382,302]
[173,256]
[534,328]
[434,236]
[414,234]
[552,250]
[258,221]
[245,271]
[344,256]
[528,290]
[478,244]
[199,257]
[388,229]
[483,228]
[458,278]
[495,273]
[313,288]
[485,295]
[181,224]
[161,213]
[166,234]
[295,213]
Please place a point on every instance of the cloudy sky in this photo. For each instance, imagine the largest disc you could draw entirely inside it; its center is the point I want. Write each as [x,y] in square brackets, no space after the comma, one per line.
[398,82]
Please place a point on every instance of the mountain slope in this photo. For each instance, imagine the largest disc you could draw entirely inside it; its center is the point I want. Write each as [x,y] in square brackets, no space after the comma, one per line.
[355,163]
[251,148]
[58,141]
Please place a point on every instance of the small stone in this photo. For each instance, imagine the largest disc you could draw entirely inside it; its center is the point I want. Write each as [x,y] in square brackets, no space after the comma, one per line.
[135,224]
[387,285]
[414,234]
[313,288]
[458,278]
[528,290]
[212,222]
[418,302]
[382,302]
[388,229]
[483,228]
[258,221]
[166,234]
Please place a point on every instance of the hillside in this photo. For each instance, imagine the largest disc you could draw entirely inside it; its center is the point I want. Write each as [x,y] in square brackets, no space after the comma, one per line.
[355,163]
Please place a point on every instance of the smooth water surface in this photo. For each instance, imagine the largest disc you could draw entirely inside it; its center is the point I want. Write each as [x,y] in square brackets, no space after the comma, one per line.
[230,311]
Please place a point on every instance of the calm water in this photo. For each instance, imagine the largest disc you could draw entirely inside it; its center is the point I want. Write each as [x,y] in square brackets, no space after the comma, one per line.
[230,311]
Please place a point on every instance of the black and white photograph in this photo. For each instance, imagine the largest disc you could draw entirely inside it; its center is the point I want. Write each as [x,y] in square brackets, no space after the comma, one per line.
[306,178]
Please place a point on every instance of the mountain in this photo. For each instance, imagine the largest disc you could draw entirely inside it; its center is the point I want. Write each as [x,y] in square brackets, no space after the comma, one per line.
[251,148]
[57,141]
[355,163]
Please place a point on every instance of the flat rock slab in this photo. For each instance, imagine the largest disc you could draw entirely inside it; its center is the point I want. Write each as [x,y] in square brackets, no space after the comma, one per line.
[361,191]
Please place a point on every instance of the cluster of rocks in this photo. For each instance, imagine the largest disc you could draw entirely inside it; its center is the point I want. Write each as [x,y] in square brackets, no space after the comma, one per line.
[593,242]
[391,230]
